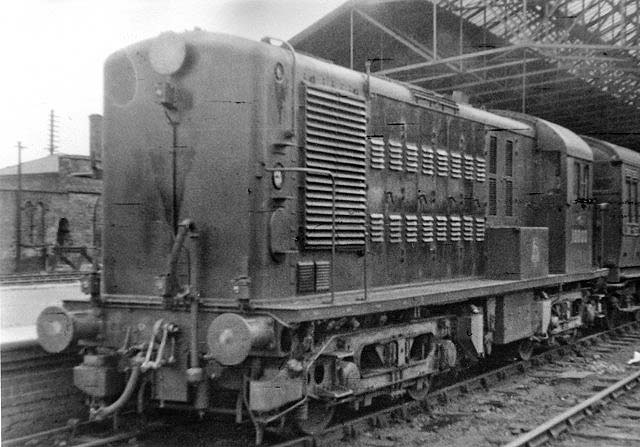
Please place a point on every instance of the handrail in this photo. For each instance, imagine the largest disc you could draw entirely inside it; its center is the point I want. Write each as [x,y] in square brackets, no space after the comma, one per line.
[171,286]
[287,45]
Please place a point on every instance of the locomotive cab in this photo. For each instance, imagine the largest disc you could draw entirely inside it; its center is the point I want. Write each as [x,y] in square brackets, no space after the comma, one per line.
[561,194]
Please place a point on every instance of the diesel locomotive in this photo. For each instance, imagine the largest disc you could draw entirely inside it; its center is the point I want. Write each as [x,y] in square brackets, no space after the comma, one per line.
[284,236]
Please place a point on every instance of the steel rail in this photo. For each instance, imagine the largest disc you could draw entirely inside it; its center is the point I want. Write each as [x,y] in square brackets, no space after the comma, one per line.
[37,278]
[559,424]
[78,429]
[112,439]
[31,438]
[35,438]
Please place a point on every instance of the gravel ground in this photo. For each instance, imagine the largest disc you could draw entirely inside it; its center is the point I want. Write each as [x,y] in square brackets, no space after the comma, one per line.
[515,406]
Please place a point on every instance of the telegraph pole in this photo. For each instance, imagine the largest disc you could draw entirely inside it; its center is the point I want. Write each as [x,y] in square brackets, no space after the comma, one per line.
[19,210]
[52,132]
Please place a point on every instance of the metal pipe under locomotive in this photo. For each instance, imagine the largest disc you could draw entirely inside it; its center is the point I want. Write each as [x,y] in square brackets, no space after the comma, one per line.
[283,235]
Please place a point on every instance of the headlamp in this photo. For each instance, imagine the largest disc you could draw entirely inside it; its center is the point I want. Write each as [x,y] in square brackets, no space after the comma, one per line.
[167,53]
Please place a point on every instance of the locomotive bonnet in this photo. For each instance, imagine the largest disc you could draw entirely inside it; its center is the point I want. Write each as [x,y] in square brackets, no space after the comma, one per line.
[284,236]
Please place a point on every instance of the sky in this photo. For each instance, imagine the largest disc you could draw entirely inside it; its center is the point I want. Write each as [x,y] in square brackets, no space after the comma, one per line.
[53,51]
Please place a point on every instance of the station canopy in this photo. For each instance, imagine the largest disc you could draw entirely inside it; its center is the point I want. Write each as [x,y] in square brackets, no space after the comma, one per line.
[572,62]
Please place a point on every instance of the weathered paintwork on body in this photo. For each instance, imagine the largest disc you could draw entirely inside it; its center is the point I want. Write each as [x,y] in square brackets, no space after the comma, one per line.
[415,181]
[284,236]
[558,194]
[215,141]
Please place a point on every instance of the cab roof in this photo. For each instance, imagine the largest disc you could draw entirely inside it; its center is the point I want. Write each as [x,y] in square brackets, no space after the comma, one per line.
[553,137]
[603,150]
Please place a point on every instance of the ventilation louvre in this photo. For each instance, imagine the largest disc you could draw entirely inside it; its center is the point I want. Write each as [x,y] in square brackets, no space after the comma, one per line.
[323,276]
[314,276]
[480,227]
[335,141]
[411,228]
[508,198]
[427,228]
[376,148]
[412,157]
[442,163]
[456,228]
[376,227]
[467,228]
[493,155]
[456,165]
[427,160]
[481,169]
[493,197]
[468,167]
[306,276]
[395,228]
[395,155]
[508,159]
[441,228]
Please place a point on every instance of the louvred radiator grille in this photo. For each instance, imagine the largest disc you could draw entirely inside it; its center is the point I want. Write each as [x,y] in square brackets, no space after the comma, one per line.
[335,141]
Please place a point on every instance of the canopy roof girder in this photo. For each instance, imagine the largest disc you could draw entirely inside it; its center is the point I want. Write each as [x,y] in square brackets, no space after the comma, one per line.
[543,57]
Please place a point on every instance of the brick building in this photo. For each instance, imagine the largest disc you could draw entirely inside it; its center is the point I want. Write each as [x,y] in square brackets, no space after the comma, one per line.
[60,206]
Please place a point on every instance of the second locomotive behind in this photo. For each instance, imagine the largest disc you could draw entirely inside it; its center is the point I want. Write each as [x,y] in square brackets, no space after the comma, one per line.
[284,236]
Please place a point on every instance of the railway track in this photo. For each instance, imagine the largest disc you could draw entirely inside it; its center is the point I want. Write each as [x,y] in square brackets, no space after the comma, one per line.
[78,434]
[403,412]
[354,425]
[40,278]
[571,422]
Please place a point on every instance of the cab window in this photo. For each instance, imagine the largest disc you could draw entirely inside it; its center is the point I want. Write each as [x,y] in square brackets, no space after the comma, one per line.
[577,181]
[627,200]
[634,199]
[585,182]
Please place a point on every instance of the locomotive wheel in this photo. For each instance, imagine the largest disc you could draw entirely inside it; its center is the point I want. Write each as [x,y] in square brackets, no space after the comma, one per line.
[319,416]
[525,349]
[419,394]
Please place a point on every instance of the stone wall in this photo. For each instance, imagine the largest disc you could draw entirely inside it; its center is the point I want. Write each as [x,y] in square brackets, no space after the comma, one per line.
[46,199]
[37,391]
